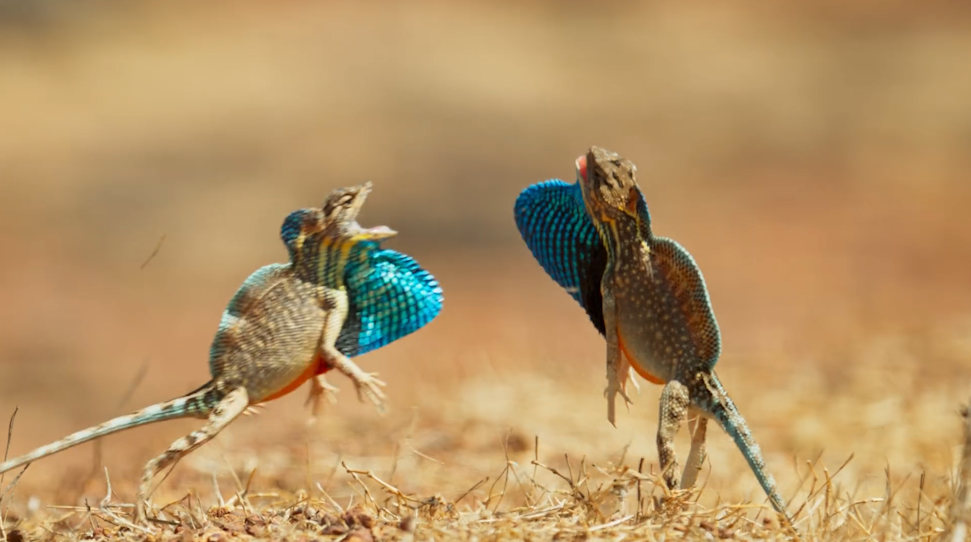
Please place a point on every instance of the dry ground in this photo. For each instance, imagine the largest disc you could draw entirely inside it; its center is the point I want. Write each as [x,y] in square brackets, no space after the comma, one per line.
[814,159]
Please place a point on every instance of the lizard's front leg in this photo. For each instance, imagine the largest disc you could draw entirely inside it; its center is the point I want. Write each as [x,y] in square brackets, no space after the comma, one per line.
[335,307]
[615,370]
[320,389]
[673,413]
[366,383]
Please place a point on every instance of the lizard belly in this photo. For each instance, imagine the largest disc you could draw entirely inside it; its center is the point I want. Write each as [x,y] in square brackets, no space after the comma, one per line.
[312,370]
[651,326]
[284,366]
[641,368]
[278,352]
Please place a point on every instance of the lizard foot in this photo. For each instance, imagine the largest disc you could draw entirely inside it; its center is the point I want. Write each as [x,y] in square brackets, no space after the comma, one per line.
[613,388]
[368,384]
[253,410]
[319,389]
[674,501]
[632,378]
[140,517]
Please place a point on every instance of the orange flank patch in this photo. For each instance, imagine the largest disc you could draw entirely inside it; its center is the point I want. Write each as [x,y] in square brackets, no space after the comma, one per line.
[637,366]
[321,366]
[315,368]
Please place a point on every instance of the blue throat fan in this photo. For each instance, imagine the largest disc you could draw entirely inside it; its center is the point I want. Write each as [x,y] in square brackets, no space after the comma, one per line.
[553,221]
[389,296]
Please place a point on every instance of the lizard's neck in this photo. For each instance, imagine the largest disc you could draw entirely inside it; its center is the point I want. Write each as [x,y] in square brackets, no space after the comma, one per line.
[322,261]
[625,240]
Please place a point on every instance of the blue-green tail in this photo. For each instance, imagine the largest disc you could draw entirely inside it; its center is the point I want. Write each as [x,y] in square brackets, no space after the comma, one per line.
[717,403]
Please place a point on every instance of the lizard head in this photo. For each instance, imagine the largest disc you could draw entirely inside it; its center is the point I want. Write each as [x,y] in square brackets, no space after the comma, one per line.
[609,187]
[335,221]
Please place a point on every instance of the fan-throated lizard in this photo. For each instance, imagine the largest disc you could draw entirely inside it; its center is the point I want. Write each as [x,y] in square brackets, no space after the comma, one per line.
[646,295]
[340,295]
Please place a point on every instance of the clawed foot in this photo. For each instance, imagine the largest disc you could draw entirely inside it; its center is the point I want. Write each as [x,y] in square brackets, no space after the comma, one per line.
[614,388]
[368,384]
[253,410]
[365,383]
[140,518]
[673,501]
[319,389]
[632,378]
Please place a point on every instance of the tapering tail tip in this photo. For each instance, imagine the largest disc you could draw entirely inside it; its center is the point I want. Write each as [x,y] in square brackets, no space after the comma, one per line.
[190,405]
[721,407]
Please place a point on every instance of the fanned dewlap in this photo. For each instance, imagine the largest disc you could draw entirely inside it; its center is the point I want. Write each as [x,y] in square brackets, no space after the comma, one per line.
[554,224]
[389,296]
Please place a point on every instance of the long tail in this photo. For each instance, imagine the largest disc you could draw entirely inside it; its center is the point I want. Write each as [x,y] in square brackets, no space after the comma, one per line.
[195,404]
[719,405]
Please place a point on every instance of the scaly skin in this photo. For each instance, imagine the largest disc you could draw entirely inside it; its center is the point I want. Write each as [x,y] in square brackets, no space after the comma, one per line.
[280,330]
[659,320]
[646,295]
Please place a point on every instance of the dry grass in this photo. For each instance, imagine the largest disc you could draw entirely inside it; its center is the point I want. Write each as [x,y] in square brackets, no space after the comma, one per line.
[466,476]
[538,462]
[813,157]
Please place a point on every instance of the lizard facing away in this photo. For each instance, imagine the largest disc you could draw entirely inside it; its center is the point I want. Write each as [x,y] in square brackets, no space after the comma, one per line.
[339,295]
[646,295]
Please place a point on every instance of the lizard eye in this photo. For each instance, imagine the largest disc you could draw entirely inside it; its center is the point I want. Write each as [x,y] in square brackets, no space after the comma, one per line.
[614,181]
[336,204]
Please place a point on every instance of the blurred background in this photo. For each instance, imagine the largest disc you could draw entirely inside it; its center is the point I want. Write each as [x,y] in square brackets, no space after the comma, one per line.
[813,157]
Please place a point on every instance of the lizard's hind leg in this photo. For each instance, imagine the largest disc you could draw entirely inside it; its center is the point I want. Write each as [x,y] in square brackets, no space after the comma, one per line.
[228,409]
[673,413]
[697,426]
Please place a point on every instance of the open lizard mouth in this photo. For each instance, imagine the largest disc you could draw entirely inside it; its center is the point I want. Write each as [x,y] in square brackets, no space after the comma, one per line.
[582,167]
[593,208]
[377,233]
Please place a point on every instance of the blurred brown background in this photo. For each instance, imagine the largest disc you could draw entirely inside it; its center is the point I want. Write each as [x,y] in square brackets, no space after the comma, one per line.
[813,157]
